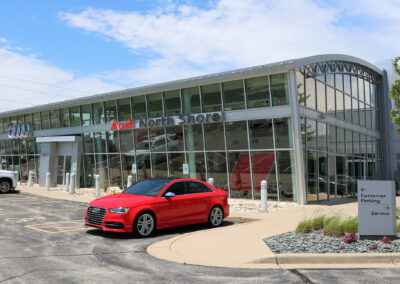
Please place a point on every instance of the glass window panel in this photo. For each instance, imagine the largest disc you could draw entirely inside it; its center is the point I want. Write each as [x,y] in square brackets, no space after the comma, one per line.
[233,95]
[64,117]
[279,89]
[347,108]
[139,107]
[368,116]
[101,169]
[88,143]
[356,144]
[110,110]
[312,176]
[367,86]
[261,135]
[330,103]
[176,161]
[1,125]
[287,176]
[54,116]
[126,161]
[89,170]
[196,164]
[300,87]
[124,109]
[216,167]
[191,100]
[362,113]
[321,136]
[175,138]
[44,115]
[143,165]
[311,129]
[354,112]
[22,146]
[310,93]
[373,94]
[126,137]
[214,136]
[236,135]
[211,98]
[157,139]
[373,119]
[349,142]
[98,114]
[75,118]
[339,105]
[264,169]
[112,142]
[283,132]
[141,140]
[361,89]
[194,137]
[341,143]
[331,138]
[20,119]
[86,115]
[347,84]
[172,102]
[155,106]
[354,89]
[100,142]
[321,103]
[330,79]
[339,81]
[257,91]
[114,168]
[323,176]
[239,175]
[159,164]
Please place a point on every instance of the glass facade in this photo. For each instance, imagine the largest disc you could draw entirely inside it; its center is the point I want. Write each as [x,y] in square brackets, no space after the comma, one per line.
[238,152]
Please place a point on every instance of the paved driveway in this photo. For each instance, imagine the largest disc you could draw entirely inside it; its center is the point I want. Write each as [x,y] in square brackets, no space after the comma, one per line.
[43,240]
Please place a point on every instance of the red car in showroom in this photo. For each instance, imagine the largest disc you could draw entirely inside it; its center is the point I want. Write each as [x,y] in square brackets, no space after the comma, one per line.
[157,204]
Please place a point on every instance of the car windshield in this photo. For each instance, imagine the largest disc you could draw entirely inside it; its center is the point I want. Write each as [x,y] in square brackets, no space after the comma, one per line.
[150,187]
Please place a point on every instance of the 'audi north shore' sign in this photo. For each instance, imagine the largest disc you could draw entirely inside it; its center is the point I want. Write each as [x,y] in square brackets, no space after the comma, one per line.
[168,120]
[20,130]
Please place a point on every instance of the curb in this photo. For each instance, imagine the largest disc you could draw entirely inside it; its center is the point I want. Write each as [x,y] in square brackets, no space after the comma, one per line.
[356,258]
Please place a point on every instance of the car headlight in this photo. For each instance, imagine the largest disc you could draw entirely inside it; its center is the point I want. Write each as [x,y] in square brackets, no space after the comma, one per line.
[120,210]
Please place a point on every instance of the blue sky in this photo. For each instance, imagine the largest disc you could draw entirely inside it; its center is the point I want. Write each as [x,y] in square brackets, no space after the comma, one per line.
[57,50]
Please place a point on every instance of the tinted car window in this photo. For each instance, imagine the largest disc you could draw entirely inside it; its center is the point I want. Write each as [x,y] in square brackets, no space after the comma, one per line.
[178,188]
[197,187]
[150,187]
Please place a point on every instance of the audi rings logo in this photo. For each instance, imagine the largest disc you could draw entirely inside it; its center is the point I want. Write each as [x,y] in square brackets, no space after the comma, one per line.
[22,130]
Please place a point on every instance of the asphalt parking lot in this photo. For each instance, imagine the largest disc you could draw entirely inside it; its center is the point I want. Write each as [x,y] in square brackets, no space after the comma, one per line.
[43,240]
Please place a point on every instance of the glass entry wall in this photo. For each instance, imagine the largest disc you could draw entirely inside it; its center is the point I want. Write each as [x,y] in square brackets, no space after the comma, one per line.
[63,167]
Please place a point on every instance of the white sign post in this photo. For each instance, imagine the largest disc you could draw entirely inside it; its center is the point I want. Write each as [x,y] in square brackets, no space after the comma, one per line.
[376,208]
[185,169]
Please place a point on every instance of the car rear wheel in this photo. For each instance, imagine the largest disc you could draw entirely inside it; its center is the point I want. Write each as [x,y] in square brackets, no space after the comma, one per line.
[144,225]
[215,217]
[5,186]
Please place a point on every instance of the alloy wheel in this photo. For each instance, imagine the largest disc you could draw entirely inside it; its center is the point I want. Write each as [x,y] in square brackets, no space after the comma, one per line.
[145,224]
[5,186]
[216,216]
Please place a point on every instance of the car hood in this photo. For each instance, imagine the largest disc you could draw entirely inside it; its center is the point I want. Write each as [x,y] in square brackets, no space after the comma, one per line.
[121,200]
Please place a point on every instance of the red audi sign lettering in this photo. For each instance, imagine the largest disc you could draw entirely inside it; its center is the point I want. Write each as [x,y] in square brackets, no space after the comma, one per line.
[123,125]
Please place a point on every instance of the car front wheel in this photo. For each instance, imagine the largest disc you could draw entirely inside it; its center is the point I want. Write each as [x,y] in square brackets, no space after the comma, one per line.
[215,217]
[5,186]
[144,225]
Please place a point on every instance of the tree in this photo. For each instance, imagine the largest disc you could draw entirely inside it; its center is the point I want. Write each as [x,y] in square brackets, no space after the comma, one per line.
[394,94]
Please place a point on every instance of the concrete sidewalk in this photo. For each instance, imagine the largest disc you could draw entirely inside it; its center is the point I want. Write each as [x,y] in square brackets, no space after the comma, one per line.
[238,245]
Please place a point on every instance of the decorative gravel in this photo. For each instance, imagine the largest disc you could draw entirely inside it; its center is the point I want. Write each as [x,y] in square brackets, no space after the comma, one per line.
[316,242]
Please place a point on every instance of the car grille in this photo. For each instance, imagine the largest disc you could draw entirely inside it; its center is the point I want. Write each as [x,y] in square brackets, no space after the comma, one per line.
[95,215]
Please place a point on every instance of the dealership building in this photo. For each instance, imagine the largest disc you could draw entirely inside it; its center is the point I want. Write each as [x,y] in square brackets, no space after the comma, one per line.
[311,127]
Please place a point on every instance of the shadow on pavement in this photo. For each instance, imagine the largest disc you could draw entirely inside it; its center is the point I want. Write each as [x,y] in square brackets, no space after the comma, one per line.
[335,201]
[12,192]
[163,232]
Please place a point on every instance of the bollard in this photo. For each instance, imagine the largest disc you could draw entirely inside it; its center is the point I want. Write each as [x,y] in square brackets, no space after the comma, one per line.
[16,175]
[30,179]
[97,180]
[211,181]
[129,182]
[72,183]
[264,195]
[48,181]
[67,181]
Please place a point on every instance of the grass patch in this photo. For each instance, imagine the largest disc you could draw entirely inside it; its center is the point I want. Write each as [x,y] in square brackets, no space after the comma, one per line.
[304,227]
[317,223]
[398,227]
[333,226]
[350,225]
[398,212]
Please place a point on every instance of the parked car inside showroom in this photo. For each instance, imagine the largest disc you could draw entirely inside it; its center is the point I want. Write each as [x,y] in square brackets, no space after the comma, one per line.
[154,204]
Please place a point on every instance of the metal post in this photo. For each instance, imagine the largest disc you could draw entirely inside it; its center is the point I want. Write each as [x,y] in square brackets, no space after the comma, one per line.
[97,180]
[48,181]
[211,181]
[72,183]
[30,179]
[67,181]
[129,182]
[264,195]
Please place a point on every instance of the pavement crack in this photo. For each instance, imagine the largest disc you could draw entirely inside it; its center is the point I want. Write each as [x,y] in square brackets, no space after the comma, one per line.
[16,276]
[301,275]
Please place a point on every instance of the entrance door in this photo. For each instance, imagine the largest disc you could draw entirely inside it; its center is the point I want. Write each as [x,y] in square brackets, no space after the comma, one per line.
[63,167]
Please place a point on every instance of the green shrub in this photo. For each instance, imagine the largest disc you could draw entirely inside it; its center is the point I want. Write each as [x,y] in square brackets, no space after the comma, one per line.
[333,226]
[350,225]
[398,212]
[317,223]
[398,227]
[304,227]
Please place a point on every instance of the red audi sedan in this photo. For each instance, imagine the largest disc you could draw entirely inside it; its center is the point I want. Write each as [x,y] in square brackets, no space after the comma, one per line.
[157,204]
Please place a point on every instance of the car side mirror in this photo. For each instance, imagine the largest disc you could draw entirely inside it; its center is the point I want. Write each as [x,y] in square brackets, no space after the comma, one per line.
[170,194]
